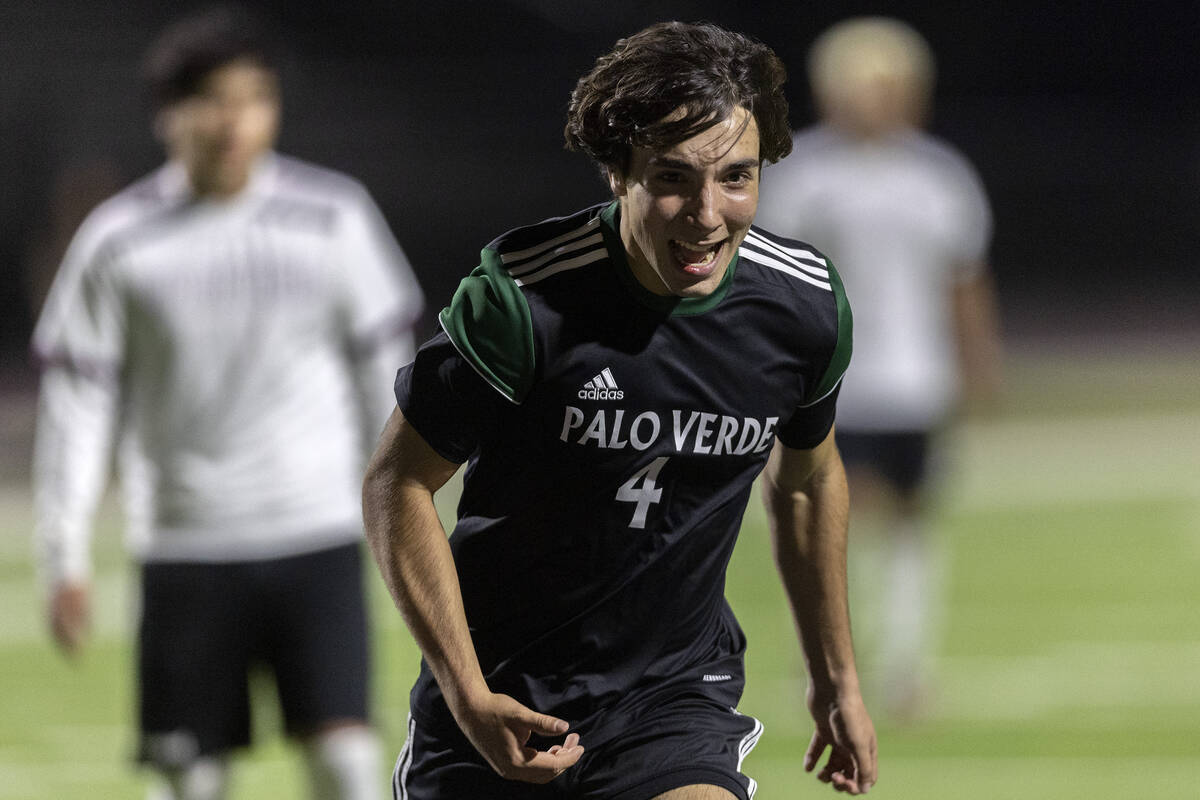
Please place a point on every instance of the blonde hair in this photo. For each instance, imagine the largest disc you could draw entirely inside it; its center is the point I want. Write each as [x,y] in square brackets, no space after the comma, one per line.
[860,48]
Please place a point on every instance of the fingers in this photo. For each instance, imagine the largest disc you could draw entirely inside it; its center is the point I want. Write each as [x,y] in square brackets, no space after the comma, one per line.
[520,716]
[848,785]
[504,736]
[543,766]
[846,728]
[570,742]
[69,617]
[868,765]
[844,773]
[545,724]
[815,748]
[856,748]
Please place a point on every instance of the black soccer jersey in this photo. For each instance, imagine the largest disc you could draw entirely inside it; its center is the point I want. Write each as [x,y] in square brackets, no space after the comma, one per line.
[612,437]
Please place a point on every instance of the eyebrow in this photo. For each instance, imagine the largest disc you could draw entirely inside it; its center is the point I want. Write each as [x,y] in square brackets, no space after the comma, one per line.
[668,162]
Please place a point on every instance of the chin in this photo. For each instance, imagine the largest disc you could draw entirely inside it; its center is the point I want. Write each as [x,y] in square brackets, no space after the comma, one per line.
[700,289]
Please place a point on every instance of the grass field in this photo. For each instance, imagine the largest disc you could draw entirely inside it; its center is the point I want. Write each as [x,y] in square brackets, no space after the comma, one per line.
[1070,662]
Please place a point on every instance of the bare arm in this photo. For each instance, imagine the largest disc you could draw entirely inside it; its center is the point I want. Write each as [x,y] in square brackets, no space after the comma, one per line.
[410,546]
[807,506]
[977,329]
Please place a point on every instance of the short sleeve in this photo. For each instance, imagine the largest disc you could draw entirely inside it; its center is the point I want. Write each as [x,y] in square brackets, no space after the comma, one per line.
[383,294]
[446,400]
[813,419]
[972,232]
[809,426]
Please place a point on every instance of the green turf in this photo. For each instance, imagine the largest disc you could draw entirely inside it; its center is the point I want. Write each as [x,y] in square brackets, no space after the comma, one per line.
[1068,669]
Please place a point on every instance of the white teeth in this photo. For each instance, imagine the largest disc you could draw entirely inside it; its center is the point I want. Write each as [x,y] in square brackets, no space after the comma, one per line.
[692,255]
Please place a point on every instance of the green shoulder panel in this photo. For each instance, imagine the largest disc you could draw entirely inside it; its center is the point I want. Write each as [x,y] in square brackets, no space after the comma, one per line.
[840,359]
[488,321]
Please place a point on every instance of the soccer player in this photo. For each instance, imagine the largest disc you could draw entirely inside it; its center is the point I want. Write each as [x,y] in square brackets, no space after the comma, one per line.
[616,379]
[908,223]
[233,323]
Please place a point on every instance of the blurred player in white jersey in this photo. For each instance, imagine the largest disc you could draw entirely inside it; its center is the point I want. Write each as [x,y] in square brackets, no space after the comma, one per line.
[907,221]
[231,325]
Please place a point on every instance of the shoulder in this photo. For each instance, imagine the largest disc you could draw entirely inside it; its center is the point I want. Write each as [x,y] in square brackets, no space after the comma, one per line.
[789,186]
[531,249]
[799,279]
[816,138]
[814,142]
[489,319]
[803,283]
[91,259]
[300,178]
[323,197]
[940,155]
[135,208]
[790,265]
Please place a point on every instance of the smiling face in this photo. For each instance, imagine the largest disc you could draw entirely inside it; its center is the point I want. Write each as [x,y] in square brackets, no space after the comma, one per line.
[685,210]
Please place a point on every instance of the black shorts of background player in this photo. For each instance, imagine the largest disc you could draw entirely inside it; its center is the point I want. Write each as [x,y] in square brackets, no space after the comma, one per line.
[183,313]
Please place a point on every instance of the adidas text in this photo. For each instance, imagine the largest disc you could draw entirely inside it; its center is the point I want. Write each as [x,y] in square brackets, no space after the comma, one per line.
[601,394]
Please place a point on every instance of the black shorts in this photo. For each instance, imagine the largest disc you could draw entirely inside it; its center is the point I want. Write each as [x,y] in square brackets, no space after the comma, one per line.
[205,626]
[900,458]
[679,734]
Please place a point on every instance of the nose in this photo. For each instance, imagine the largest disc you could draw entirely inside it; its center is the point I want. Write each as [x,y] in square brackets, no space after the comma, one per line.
[231,114]
[702,211]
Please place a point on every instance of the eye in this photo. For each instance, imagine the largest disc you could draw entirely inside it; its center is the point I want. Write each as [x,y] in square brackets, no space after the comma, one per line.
[739,178]
[669,176]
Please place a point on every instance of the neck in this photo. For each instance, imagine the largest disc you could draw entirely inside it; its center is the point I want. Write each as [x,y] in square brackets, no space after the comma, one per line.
[217,181]
[219,187]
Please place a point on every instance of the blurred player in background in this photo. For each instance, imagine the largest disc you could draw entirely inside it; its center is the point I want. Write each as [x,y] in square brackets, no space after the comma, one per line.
[905,218]
[232,322]
[616,379]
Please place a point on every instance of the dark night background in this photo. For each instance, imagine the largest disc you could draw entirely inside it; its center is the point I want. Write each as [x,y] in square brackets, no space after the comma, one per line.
[1082,118]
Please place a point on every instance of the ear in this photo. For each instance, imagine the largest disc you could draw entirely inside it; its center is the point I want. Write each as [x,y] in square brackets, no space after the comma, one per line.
[616,182]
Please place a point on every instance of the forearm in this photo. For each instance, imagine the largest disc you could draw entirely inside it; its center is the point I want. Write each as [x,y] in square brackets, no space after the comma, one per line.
[808,527]
[977,329]
[409,544]
[807,508]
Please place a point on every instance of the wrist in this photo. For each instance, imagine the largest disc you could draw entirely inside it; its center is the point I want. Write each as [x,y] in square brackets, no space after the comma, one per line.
[464,693]
[834,688]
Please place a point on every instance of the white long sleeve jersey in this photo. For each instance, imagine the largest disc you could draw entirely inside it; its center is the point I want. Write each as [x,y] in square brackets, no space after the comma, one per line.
[239,353]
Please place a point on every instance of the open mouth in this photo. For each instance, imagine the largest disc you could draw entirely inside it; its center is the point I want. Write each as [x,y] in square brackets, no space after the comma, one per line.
[695,259]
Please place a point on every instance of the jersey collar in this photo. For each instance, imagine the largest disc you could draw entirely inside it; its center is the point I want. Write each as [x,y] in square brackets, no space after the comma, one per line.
[610,227]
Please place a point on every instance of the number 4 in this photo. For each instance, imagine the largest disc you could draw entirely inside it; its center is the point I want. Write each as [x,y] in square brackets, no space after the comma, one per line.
[645,495]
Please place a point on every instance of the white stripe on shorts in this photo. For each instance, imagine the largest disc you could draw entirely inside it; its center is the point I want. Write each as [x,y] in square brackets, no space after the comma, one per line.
[403,762]
[747,744]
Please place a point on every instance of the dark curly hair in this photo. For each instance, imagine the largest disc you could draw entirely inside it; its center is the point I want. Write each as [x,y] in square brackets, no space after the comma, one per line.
[190,49]
[632,96]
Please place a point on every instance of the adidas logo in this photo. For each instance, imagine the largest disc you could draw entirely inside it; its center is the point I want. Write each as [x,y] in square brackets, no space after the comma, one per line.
[601,387]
